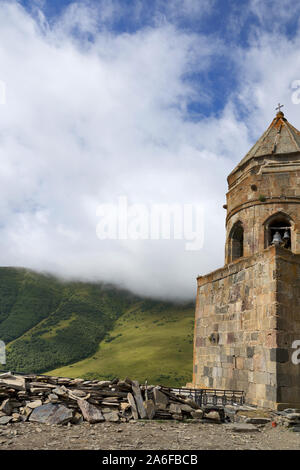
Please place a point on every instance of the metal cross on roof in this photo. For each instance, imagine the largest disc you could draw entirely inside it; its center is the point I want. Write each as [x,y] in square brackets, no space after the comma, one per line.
[279,107]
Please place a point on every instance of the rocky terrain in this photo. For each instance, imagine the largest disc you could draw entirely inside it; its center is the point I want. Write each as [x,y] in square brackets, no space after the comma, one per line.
[138,435]
[59,400]
[41,412]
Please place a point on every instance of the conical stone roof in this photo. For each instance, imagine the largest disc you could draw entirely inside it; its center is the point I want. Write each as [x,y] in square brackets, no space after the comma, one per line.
[280,138]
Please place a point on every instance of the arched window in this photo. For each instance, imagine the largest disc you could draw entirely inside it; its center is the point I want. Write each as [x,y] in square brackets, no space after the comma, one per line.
[278,230]
[236,241]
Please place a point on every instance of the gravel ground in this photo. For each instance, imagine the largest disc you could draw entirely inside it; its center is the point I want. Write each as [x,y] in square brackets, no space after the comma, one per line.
[154,435]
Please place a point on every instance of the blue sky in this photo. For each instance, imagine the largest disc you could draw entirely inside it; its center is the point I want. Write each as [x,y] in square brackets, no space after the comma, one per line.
[237,23]
[213,21]
[156,101]
[220,16]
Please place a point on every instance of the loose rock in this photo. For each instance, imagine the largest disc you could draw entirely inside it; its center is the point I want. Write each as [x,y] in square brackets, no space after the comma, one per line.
[91,413]
[51,414]
[242,427]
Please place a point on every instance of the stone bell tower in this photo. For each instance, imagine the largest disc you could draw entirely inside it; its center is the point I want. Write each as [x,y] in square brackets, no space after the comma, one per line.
[248,312]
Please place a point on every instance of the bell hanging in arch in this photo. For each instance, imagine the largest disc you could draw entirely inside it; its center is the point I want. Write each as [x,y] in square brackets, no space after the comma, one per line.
[277,240]
[286,236]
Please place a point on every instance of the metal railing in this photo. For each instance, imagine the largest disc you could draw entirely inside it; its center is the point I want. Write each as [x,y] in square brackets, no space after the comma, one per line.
[214,397]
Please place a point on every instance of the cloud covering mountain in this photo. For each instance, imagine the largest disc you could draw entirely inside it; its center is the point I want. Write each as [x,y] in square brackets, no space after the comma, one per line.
[106,100]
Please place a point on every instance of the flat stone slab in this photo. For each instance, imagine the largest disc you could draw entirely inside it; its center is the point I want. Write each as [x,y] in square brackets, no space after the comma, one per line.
[186,408]
[258,420]
[197,414]
[112,417]
[242,427]
[34,404]
[7,407]
[293,416]
[160,399]
[132,403]
[230,410]
[60,391]
[138,399]
[5,419]
[104,383]
[175,408]
[90,412]
[212,415]
[17,382]
[150,408]
[53,398]
[51,414]
[291,410]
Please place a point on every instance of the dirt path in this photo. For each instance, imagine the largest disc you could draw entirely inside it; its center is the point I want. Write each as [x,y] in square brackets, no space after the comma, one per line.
[143,435]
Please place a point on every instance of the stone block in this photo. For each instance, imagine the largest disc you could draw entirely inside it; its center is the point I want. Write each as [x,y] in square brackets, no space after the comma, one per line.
[90,412]
[175,408]
[260,336]
[279,355]
[241,427]
[51,414]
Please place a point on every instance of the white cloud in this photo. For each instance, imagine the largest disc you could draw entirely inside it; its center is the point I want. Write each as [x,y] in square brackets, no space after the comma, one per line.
[274,13]
[192,9]
[270,66]
[86,122]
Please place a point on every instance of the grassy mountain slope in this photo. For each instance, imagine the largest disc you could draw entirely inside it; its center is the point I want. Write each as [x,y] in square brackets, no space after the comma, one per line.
[147,342]
[92,330]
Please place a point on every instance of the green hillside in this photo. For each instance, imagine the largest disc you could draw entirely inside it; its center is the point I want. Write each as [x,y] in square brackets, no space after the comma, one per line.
[152,342]
[92,330]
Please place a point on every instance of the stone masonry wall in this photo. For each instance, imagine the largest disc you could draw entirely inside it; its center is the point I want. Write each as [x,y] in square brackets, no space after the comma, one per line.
[253,219]
[288,324]
[238,345]
[277,180]
[235,328]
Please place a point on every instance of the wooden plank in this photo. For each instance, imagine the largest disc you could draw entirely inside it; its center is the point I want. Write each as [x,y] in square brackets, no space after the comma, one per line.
[139,399]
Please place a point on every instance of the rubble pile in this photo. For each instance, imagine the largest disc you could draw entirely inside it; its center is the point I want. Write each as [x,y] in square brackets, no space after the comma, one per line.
[290,418]
[247,414]
[57,400]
